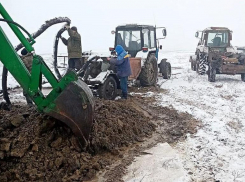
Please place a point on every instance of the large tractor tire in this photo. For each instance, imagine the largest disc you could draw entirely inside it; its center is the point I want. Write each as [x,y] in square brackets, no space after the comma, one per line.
[243,77]
[202,65]
[108,90]
[211,73]
[148,74]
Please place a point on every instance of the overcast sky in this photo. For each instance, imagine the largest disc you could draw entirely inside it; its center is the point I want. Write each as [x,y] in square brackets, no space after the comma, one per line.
[96,18]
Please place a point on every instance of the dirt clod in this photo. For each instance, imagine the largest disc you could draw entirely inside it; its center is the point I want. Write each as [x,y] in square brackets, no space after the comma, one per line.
[16,121]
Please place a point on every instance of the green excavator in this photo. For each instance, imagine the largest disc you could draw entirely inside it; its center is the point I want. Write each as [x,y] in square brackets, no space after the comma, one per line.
[70,101]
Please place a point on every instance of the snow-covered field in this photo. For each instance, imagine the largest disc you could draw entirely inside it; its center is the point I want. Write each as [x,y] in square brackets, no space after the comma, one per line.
[217,151]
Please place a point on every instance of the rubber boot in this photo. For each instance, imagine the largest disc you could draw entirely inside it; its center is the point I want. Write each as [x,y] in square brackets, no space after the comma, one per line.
[125,96]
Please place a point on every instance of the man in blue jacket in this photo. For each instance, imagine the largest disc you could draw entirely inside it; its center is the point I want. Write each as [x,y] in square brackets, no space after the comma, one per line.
[123,69]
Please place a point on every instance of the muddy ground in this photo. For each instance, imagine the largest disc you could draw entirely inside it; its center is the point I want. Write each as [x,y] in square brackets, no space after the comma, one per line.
[35,147]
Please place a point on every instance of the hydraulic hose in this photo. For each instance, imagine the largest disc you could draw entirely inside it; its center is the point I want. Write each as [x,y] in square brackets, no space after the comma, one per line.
[44,27]
[18,25]
[56,43]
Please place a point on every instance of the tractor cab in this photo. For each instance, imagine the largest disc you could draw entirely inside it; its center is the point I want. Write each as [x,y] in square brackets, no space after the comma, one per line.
[215,37]
[142,43]
[136,38]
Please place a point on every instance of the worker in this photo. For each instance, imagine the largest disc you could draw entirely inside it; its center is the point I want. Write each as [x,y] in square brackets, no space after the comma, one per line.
[123,69]
[74,47]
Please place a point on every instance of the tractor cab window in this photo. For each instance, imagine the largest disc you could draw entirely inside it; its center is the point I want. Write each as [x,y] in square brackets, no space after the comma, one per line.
[130,40]
[152,37]
[146,37]
[217,39]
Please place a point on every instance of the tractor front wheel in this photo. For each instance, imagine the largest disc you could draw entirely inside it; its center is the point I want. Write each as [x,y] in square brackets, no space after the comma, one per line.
[148,74]
[202,65]
[108,90]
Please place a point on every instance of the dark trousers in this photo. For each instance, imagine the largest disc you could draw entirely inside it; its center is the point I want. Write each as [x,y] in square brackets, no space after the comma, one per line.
[75,63]
[124,86]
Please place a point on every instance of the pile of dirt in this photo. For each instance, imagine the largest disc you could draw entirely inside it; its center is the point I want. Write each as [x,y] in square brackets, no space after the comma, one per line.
[118,124]
[35,147]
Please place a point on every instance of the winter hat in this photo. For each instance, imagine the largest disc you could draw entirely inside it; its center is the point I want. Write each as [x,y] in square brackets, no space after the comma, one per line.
[119,49]
[74,28]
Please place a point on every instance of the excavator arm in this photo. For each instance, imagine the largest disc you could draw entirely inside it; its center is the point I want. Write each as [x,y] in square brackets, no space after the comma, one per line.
[70,100]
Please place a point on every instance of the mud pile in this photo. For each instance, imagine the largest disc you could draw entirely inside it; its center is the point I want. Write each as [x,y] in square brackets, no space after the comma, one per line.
[35,147]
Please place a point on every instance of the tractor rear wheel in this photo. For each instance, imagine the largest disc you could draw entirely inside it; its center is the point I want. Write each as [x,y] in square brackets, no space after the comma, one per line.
[108,90]
[148,74]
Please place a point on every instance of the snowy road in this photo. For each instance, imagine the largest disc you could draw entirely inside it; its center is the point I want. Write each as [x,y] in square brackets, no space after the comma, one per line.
[217,151]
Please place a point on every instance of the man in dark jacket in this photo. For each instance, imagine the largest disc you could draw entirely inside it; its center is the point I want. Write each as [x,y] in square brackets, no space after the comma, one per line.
[123,69]
[74,47]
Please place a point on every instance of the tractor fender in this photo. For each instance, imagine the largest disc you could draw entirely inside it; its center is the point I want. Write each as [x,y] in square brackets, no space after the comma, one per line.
[202,49]
[101,77]
[142,55]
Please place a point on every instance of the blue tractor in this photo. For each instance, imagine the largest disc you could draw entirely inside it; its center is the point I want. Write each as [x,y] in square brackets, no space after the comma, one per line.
[141,42]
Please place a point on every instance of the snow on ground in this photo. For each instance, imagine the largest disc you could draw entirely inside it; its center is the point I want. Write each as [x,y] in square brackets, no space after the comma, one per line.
[217,151]
[161,160]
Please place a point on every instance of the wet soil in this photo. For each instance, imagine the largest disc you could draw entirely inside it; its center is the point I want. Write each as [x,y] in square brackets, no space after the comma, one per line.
[35,147]
[172,127]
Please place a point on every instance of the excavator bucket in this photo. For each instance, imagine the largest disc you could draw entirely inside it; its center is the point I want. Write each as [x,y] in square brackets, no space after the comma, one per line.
[75,107]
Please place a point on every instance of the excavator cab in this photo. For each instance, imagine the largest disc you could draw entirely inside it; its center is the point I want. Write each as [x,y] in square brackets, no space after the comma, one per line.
[70,101]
